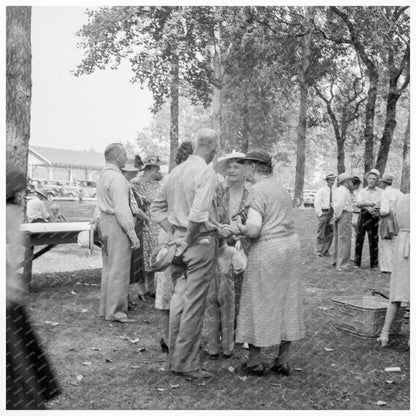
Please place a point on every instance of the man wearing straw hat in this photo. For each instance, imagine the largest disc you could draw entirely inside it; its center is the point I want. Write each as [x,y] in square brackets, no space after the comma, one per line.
[36,210]
[117,234]
[368,200]
[324,210]
[342,220]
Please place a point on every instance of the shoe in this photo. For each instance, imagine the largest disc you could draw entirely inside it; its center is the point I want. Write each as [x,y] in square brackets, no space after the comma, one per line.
[383,339]
[194,375]
[213,356]
[255,370]
[125,320]
[281,369]
[164,346]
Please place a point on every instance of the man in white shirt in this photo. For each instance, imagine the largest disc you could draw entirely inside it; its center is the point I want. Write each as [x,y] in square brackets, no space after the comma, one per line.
[368,200]
[324,210]
[342,220]
[388,200]
[36,210]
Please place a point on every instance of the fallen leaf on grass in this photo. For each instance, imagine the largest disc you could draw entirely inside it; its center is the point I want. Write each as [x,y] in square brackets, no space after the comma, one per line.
[160,389]
[201,384]
[71,349]
[142,349]
[134,341]
[231,369]
[78,283]
[297,369]
[160,360]
[73,292]
[392,369]
[174,386]
[96,349]
[323,308]
[328,349]
[93,284]
[52,323]
[135,367]
[79,377]
[162,369]
[381,403]
[84,310]
[108,360]
[275,384]
[123,337]
[390,381]
[243,378]
[87,363]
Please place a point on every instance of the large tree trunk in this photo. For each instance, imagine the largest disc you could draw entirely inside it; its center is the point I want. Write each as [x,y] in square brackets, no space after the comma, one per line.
[18,84]
[405,183]
[217,94]
[174,113]
[303,108]
[246,126]
[369,123]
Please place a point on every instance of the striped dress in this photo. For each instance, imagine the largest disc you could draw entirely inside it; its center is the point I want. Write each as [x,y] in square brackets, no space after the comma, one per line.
[271,305]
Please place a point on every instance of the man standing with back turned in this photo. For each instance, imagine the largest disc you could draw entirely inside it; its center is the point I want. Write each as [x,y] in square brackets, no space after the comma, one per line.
[324,210]
[184,208]
[116,228]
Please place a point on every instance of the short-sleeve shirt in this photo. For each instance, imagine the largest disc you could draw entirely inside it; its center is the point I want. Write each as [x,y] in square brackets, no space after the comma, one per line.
[36,209]
[186,195]
[367,195]
[273,203]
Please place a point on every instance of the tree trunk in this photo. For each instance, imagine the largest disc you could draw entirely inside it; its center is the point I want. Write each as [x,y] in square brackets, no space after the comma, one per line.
[18,84]
[405,183]
[303,108]
[217,96]
[174,113]
[246,126]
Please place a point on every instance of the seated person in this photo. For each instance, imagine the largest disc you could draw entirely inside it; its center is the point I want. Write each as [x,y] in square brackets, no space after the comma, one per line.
[36,210]
[56,215]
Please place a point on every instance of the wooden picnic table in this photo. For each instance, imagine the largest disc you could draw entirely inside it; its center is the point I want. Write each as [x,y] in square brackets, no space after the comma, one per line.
[48,234]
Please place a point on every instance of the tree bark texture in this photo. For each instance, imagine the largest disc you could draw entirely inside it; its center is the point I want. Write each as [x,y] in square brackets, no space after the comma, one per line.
[174,113]
[302,119]
[246,126]
[18,84]
[217,94]
[405,183]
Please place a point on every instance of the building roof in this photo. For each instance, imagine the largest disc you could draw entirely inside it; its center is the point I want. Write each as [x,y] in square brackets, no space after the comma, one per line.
[74,158]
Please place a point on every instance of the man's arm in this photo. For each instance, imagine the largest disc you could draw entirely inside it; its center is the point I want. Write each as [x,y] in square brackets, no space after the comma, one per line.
[318,202]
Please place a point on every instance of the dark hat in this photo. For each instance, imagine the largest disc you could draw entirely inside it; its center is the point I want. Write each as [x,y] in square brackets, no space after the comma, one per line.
[41,193]
[387,179]
[152,161]
[257,155]
[162,256]
[15,180]
[330,176]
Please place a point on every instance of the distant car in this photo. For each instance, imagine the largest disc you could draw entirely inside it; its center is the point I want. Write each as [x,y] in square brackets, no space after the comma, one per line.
[51,189]
[309,198]
[89,188]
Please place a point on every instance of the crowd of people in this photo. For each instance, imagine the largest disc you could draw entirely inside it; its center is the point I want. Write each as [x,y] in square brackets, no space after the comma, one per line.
[215,246]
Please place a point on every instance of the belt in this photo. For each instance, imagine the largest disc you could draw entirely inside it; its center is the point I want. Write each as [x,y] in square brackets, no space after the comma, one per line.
[202,234]
[326,209]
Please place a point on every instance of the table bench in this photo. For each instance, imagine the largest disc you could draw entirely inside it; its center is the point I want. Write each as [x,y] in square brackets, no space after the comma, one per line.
[49,234]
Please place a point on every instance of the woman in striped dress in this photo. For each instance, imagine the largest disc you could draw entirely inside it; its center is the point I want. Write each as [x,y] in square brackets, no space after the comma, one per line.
[271,305]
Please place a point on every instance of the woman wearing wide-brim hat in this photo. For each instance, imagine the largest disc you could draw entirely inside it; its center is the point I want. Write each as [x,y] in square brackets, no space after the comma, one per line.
[271,306]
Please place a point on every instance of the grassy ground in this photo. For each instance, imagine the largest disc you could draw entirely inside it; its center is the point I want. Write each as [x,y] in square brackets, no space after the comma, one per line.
[120,374]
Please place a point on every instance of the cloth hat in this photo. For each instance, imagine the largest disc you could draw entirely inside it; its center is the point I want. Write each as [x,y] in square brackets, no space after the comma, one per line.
[344,177]
[15,180]
[330,176]
[41,193]
[152,161]
[130,166]
[374,172]
[161,257]
[387,178]
[258,155]
[222,161]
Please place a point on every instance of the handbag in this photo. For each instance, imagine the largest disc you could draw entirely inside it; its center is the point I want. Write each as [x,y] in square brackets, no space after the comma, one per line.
[242,256]
[388,227]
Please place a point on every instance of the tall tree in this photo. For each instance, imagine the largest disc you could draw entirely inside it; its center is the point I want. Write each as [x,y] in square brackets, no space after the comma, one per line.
[405,183]
[304,85]
[397,43]
[18,84]
[162,48]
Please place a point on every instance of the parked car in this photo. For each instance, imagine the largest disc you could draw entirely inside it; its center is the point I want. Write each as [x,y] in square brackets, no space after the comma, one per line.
[309,198]
[89,188]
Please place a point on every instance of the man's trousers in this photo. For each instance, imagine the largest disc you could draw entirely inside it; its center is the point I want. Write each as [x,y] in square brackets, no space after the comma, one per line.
[325,233]
[367,224]
[187,307]
[342,244]
[115,277]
